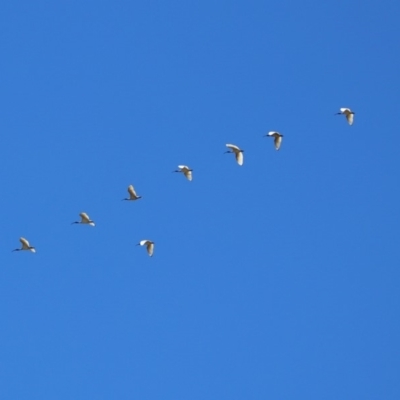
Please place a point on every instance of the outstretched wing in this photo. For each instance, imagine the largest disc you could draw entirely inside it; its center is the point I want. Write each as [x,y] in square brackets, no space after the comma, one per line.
[188,174]
[239,157]
[277,141]
[233,147]
[85,217]
[24,242]
[132,192]
[150,248]
[350,118]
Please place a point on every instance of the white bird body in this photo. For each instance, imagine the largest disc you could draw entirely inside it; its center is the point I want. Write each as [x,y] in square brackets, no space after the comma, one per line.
[149,246]
[132,194]
[237,151]
[348,113]
[85,220]
[186,171]
[25,246]
[277,138]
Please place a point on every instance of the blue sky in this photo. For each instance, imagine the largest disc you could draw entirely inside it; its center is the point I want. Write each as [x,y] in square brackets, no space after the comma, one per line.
[276,280]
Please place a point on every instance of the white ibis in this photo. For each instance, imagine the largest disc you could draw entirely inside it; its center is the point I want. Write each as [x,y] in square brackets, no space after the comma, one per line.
[348,113]
[186,171]
[132,194]
[84,220]
[25,246]
[149,246]
[277,138]
[237,151]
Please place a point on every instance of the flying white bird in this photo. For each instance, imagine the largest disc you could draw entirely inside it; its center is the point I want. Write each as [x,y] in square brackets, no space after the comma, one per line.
[348,113]
[25,246]
[238,153]
[277,138]
[186,171]
[149,246]
[132,194]
[84,219]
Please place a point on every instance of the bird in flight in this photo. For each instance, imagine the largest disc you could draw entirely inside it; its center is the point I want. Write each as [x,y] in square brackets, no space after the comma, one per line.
[277,138]
[237,151]
[132,194]
[84,219]
[186,171]
[149,246]
[348,113]
[25,246]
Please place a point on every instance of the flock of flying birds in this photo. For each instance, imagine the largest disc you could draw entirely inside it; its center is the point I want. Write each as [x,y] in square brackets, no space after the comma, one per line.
[185,170]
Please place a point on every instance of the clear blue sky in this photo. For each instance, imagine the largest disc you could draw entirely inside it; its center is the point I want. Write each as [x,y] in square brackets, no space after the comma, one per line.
[276,280]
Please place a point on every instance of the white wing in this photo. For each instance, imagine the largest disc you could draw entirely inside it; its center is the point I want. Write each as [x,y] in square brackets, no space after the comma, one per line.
[132,192]
[144,242]
[24,242]
[277,141]
[188,174]
[85,217]
[233,147]
[239,157]
[273,133]
[345,110]
[150,248]
[350,118]
[182,167]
